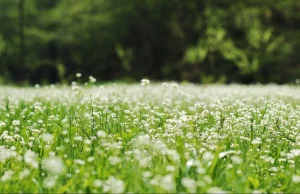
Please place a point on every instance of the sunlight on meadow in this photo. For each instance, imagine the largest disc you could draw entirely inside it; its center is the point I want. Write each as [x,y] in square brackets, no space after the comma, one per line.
[161,137]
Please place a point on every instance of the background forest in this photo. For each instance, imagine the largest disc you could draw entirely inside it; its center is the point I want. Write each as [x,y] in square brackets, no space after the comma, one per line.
[202,41]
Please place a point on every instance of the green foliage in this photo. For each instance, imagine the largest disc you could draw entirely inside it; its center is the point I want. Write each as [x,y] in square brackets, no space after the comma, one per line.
[245,41]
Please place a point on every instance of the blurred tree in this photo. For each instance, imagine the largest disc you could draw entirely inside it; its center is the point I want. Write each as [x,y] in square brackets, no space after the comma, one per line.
[208,41]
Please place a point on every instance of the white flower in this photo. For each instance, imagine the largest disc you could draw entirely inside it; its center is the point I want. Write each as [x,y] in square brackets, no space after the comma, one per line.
[47,137]
[79,161]
[145,82]
[127,111]
[215,190]
[256,141]
[173,155]
[92,79]
[189,184]
[2,124]
[223,154]
[167,183]
[273,169]
[189,163]
[23,174]
[49,182]
[101,133]
[78,75]
[54,165]
[170,168]
[207,156]
[236,160]
[113,185]
[114,160]
[97,183]
[30,159]
[7,176]
[15,122]
[147,174]
[78,138]
[296,179]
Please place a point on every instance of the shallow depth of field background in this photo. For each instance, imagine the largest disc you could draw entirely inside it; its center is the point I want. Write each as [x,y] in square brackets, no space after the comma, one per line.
[205,41]
[217,108]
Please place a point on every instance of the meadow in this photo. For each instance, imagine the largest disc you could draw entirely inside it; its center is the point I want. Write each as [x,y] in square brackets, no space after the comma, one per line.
[150,138]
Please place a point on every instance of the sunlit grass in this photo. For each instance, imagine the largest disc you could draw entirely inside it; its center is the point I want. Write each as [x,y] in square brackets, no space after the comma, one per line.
[150,138]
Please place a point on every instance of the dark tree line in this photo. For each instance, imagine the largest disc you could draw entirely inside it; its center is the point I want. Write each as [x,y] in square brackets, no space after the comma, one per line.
[199,41]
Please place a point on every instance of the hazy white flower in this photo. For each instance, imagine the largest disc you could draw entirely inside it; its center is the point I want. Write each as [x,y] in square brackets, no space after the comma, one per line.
[101,133]
[92,79]
[273,169]
[223,154]
[47,137]
[127,111]
[147,174]
[173,155]
[236,160]
[79,161]
[78,75]
[23,174]
[2,124]
[49,182]
[6,153]
[113,185]
[145,82]
[296,179]
[167,183]
[189,184]
[256,192]
[207,156]
[189,163]
[30,159]
[90,159]
[97,183]
[54,165]
[16,122]
[114,160]
[170,168]
[256,141]
[7,176]
[215,190]
[78,138]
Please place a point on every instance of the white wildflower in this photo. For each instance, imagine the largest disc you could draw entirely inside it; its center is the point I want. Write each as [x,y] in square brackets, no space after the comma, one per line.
[113,185]
[49,182]
[167,183]
[189,184]
[256,141]
[92,79]
[215,190]
[16,122]
[114,160]
[207,156]
[101,133]
[7,176]
[24,173]
[54,165]
[30,159]
[296,179]
[236,160]
[2,124]
[79,161]
[145,82]
[78,75]
[97,183]
[47,137]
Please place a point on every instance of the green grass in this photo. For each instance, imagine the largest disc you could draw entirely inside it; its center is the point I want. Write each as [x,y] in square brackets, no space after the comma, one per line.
[150,138]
